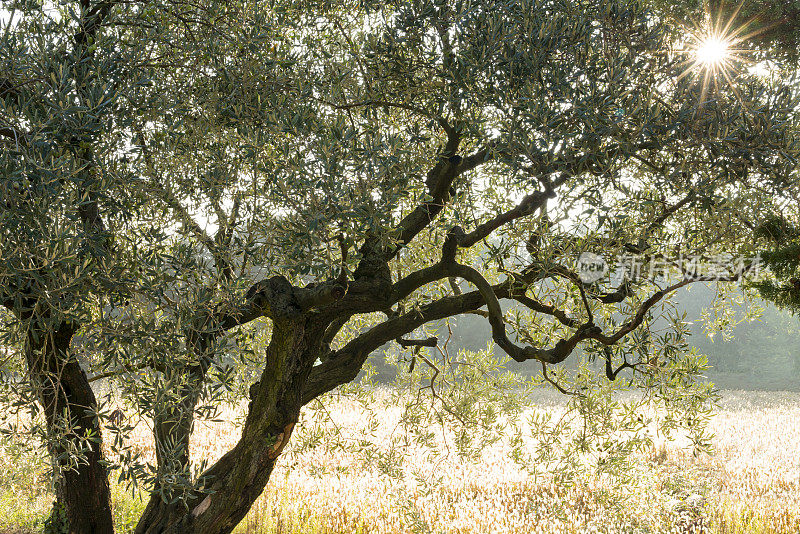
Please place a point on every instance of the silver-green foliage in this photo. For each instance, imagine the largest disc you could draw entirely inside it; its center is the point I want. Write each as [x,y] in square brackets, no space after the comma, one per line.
[246,199]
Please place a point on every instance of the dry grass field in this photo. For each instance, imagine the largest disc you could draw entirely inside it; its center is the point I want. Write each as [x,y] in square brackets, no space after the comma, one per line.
[750,485]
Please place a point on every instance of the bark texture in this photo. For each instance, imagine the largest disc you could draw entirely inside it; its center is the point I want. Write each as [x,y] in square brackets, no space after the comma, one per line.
[64,390]
[227,490]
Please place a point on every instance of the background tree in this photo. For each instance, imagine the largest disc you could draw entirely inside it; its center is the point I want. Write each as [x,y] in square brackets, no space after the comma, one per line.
[66,74]
[782,257]
[337,170]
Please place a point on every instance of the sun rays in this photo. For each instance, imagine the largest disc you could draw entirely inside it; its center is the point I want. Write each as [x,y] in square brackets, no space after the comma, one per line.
[714,50]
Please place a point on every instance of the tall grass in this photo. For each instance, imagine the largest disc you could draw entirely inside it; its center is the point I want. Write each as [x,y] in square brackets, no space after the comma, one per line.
[750,485]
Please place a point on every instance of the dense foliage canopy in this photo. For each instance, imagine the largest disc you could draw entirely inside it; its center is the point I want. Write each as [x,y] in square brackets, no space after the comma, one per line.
[253,197]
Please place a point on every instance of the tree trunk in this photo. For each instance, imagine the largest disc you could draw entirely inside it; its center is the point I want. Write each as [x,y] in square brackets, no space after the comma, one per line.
[229,488]
[83,491]
[172,429]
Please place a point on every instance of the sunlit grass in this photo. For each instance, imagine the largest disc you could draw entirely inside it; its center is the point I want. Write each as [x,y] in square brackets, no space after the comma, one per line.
[751,484]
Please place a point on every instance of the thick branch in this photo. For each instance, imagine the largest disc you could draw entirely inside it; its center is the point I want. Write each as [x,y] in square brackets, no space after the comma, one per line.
[440,179]
[320,294]
[557,354]
[535,305]
[458,238]
[334,328]
[276,298]
[344,364]
[273,298]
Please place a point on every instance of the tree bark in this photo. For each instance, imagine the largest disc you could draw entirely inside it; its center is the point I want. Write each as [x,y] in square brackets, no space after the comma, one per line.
[172,428]
[229,488]
[64,391]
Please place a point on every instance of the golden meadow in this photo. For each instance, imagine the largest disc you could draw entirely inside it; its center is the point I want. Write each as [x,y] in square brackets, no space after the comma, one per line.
[750,484]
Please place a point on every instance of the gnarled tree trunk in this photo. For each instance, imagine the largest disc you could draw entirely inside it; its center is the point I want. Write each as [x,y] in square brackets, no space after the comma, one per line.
[229,488]
[64,391]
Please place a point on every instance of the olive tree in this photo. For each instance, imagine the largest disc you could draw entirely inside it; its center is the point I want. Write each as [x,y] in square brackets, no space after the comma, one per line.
[64,80]
[346,173]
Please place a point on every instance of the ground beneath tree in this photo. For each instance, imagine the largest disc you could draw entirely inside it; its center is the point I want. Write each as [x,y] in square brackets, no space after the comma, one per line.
[750,485]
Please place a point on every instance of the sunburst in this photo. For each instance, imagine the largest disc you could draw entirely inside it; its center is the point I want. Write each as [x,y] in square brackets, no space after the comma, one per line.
[713,50]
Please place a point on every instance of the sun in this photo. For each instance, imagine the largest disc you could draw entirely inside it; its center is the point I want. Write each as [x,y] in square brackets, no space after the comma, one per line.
[713,52]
